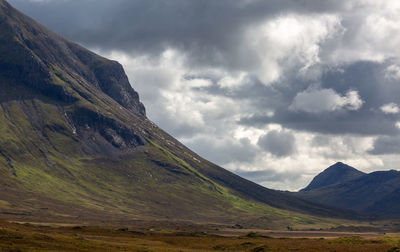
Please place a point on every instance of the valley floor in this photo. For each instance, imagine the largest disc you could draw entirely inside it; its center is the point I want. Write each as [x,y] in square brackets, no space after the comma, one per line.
[28,237]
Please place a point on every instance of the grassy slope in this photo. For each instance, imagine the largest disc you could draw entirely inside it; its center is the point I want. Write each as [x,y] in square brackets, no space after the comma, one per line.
[47,161]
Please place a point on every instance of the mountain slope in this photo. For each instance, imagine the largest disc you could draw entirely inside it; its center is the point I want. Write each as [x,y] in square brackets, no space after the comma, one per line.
[375,193]
[75,143]
[337,173]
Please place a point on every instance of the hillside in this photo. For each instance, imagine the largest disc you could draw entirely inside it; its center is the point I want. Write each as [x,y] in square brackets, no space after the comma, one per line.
[337,173]
[376,193]
[76,146]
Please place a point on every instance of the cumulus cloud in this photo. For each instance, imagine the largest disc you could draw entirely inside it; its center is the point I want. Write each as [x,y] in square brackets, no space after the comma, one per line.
[390,108]
[393,71]
[292,39]
[325,100]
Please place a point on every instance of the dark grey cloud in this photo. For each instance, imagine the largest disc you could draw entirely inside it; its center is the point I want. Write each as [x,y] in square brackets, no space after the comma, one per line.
[386,145]
[209,31]
[278,143]
[330,123]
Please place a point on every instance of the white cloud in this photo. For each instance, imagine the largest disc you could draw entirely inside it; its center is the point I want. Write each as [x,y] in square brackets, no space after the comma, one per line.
[371,32]
[290,41]
[392,72]
[390,108]
[233,81]
[168,89]
[325,100]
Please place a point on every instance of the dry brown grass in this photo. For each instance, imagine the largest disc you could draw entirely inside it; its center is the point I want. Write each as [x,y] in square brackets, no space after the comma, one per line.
[18,237]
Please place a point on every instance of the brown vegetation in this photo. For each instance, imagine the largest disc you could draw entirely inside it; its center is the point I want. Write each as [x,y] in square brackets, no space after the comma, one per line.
[27,237]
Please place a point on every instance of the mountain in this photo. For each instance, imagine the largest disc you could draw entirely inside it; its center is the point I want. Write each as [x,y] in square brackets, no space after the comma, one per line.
[376,193]
[337,173]
[76,146]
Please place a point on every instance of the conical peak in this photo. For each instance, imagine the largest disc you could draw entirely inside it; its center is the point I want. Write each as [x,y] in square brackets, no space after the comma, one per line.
[341,166]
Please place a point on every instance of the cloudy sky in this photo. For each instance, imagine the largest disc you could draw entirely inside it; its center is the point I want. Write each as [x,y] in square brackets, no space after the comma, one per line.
[273,90]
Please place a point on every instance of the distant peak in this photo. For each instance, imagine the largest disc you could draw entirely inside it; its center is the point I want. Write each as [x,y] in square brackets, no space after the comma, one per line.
[337,173]
[340,165]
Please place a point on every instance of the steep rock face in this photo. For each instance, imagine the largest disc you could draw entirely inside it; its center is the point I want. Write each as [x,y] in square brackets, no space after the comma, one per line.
[111,79]
[30,53]
[337,173]
[73,133]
